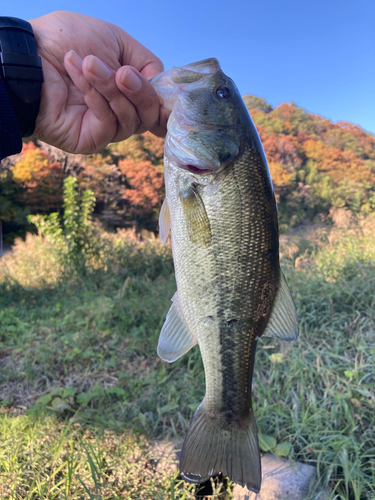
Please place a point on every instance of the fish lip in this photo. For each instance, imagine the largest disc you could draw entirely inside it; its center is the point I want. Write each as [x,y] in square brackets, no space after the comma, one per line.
[193,169]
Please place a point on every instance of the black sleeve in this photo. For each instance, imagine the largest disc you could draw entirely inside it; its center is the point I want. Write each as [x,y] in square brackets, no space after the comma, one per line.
[21,78]
[10,136]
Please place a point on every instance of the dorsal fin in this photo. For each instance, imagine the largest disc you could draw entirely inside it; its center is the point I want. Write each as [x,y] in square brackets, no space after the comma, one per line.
[283,322]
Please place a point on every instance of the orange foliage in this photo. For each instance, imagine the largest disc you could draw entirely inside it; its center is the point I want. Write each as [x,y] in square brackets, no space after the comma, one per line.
[155,145]
[26,146]
[302,136]
[280,176]
[282,149]
[42,180]
[146,183]
[98,176]
[34,163]
[347,136]
[142,147]
[315,163]
[284,111]
[366,140]
[338,164]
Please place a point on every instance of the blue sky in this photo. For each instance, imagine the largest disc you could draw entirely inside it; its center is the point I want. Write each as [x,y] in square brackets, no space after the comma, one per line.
[320,54]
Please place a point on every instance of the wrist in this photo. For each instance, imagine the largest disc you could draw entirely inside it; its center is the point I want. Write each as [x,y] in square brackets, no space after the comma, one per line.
[21,71]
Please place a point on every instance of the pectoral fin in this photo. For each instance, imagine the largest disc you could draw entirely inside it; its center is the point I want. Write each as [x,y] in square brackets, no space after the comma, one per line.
[164,222]
[198,224]
[283,322]
[175,337]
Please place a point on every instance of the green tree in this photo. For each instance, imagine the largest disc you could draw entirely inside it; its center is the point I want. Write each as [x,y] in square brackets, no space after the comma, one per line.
[73,236]
[254,102]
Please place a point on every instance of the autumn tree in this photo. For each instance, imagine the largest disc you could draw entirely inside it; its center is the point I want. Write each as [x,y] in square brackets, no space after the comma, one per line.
[41,180]
[145,193]
[315,164]
[141,147]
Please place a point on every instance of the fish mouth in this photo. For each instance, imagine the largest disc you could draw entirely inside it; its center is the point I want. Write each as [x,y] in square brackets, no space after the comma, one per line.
[196,170]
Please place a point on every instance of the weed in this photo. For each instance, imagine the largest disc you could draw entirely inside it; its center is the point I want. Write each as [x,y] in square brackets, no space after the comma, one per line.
[84,395]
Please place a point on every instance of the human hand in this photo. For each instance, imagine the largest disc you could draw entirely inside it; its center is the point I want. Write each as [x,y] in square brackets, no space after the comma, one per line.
[85,104]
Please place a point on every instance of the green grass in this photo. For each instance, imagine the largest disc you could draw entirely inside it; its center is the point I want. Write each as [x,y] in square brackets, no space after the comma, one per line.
[84,396]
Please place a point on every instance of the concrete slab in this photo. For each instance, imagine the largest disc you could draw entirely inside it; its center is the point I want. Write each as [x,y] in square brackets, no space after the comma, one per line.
[283,479]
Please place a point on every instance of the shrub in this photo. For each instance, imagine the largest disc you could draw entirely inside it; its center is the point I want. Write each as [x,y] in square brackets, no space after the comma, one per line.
[72,237]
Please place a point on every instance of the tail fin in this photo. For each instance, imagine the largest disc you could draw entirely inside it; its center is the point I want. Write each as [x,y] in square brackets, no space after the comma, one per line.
[209,449]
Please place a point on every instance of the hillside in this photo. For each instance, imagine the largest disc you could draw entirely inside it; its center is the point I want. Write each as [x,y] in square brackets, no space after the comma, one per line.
[316,165]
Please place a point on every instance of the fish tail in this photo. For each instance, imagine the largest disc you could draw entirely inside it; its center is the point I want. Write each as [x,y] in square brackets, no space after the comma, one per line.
[209,448]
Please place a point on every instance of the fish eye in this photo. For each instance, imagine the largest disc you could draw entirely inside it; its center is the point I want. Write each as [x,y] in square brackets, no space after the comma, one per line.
[224,92]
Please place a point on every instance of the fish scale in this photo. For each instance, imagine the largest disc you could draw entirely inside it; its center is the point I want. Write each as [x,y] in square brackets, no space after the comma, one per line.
[221,210]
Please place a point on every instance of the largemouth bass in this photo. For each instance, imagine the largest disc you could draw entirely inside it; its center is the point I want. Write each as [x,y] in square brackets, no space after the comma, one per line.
[221,210]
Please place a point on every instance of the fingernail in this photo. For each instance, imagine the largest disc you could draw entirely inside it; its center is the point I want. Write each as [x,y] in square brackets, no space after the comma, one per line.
[98,68]
[130,80]
[74,58]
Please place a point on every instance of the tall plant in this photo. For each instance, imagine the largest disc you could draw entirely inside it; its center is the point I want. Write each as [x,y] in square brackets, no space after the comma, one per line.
[72,235]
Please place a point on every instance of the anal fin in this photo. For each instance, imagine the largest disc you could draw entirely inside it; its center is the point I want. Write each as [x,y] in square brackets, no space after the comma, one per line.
[283,322]
[175,337]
